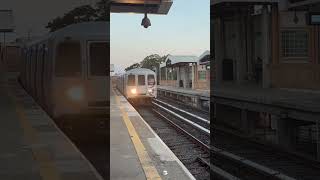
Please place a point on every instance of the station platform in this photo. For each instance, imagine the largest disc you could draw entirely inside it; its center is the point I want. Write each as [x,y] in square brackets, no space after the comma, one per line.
[32,146]
[296,104]
[136,151]
[290,98]
[205,94]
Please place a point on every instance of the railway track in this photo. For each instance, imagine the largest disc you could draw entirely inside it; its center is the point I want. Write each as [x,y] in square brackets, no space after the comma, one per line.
[193,155]
[284,165]
[201,136]
[196,130]
[233,158]
[182,105]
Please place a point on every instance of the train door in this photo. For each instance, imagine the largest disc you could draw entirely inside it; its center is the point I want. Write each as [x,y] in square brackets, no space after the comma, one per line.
[30,71]
[152,84]
[40,74]
[130,85]
[141,85]
[24,68]
[35,72]
[98,73]
[47,74]
[67,86]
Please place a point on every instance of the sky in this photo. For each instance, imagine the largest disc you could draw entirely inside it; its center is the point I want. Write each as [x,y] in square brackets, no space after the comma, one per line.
[185,30]
[33,15]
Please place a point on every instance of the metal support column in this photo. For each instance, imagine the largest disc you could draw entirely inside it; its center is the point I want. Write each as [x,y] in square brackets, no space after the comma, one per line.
[192,76]
[266,47]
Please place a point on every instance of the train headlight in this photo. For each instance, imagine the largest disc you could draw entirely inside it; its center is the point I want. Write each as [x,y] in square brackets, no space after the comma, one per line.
[150,90]
[76,93]
[134,91]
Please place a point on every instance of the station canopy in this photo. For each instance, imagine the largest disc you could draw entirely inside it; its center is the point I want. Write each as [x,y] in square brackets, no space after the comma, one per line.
[140,6]
[204,58]
[305,5]
[178,60]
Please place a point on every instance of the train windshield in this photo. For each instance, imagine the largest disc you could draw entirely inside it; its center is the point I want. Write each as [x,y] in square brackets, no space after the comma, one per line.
[131,80]
[151,80]
[141,80]
[68,59]
[99,54]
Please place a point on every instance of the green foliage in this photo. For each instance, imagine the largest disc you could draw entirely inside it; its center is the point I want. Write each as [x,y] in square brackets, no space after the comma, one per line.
[150,62]
[102,10]
[81,14]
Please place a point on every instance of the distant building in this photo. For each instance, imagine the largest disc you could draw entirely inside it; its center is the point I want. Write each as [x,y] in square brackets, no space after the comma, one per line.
[188,72]
[267,71]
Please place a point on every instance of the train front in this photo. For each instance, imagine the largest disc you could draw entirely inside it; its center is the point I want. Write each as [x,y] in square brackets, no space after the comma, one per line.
[81,80]
[141,85]
[86,93]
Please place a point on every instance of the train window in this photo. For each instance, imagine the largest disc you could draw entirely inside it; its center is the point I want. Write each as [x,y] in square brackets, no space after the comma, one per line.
[131,80]
[68,59]
[151,80]
[99,54]
[141,80]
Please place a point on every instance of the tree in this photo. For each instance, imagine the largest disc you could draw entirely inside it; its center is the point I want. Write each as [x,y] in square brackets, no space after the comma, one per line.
[133,66]
[150,62]
[103,10]
[81,14]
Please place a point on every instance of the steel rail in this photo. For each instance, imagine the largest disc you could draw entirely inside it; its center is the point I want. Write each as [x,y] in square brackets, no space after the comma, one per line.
[216,170]
[190,114]
[206,131]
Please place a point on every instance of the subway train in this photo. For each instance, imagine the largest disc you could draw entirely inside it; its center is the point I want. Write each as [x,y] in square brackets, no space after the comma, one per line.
[138,85]
[66,72]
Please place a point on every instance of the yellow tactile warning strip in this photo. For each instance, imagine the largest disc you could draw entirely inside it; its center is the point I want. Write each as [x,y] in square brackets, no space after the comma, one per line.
[145,160]
[48,170]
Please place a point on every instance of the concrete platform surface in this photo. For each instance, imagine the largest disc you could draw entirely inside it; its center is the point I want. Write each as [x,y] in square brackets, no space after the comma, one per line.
[136,151]
[308,101]
[32,146]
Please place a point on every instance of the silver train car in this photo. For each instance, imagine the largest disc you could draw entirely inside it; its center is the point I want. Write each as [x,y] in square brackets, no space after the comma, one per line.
[138,84]
[66,72]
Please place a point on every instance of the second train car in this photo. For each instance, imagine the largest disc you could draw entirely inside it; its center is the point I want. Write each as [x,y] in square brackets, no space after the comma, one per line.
[66,72]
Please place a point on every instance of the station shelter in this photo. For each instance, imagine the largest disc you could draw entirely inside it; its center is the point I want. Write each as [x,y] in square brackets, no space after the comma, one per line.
[266,42]
[188,72]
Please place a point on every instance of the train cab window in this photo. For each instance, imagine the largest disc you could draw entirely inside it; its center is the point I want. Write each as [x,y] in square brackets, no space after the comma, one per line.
[131,80]
[141,80]
[151,80]
[99,54]
[68,59]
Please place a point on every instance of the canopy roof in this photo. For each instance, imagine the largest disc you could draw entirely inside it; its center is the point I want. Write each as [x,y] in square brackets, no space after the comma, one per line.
[204,58]
[141,6]
[172,60]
